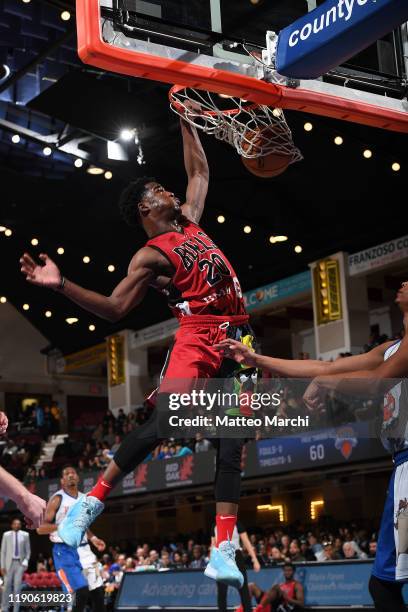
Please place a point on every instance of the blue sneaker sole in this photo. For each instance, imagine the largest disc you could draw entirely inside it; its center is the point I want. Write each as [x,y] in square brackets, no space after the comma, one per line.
[237,583]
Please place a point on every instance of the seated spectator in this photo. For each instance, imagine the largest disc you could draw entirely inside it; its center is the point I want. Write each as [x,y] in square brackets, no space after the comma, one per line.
[201,444]
[294,552]
[329,553]
[120,421]
[153,560]
[285,543]
[372,549]
[181,450]
[56,415]
[306,551]
[314,544]
[185,559]
[165,561]
[276,555]
[109,438]
[130,565]
[115,447]
[262,556]
[338,547]
[177,561]
[352,551]
[198,560]
[97,435]
[42,474]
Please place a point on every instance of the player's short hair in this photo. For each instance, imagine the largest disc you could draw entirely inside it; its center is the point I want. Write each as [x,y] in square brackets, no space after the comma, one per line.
[65,467]
[130,198]
[288,564]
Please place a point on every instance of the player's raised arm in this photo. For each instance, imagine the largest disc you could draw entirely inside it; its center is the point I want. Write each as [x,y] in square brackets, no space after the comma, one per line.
[128,293]
[196,166]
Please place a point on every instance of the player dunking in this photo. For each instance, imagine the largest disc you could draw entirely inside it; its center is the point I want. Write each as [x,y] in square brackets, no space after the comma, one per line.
[180,260]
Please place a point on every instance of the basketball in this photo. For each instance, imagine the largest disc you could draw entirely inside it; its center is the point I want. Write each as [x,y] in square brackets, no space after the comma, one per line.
[266,166]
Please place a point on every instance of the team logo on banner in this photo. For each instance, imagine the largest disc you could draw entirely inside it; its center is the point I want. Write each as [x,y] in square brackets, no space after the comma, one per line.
[186,467]
[141,475]
[345,441]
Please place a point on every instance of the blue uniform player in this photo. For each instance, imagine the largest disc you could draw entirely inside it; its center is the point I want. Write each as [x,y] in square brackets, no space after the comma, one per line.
[76,567]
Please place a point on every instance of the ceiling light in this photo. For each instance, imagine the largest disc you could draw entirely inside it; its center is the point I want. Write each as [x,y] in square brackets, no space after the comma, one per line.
[367,153]
[47,151]
[34,241]
[78,163]
[127,134]
[220,218]
[277,112]
[308,127]
[3,228]
[338,140]
[3,299]
[60,250]
[274,239]
[396,167]
[94,170]
[26,306]
[15,138]
[48,313]
[247,229]
[26,1]
[86,259]
[8,233]
[91,327]
[108,175]
[65,15]
[111,268]
[71,320]
[298,248]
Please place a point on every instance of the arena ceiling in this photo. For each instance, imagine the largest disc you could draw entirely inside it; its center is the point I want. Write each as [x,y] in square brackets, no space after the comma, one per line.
[333,200]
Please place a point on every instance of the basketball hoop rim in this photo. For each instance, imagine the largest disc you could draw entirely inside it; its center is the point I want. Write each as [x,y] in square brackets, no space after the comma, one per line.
[230,112]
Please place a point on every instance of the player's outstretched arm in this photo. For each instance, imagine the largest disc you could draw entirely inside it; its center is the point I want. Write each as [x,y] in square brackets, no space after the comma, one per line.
[31,506]
[299,368]
[369,382]
[128,294]
[196,166]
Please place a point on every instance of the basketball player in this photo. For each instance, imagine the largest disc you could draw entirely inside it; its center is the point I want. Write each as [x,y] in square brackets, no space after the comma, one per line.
[182,262]
[362,374]
[287,596]
[76,567]
[30,505]
[239,536]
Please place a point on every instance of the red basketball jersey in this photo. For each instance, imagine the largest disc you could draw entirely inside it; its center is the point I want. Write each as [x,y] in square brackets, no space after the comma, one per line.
[289,588]
[204,281]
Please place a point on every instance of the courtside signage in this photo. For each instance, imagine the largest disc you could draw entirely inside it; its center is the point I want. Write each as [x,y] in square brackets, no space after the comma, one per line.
[280,290]
[378,256]
[333,32]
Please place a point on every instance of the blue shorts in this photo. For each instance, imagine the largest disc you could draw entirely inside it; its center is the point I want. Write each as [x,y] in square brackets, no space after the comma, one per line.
[386,566]
[68,567]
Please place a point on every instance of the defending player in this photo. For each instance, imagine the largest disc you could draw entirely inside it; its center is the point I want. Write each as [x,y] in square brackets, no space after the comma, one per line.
[75,567]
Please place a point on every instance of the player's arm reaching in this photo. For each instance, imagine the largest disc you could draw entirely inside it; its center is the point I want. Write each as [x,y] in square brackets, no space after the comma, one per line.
[369,382]
[196,166]
[49,525]
[143,269]
[246,543]
[99,544]
[30,505]
[299,368]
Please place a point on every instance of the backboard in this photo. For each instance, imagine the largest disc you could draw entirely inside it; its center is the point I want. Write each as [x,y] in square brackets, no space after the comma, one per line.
[229,48]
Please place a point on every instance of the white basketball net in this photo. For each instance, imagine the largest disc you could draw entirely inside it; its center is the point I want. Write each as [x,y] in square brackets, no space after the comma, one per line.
[254,130]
